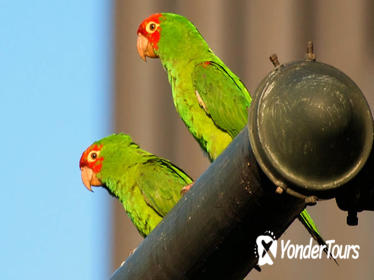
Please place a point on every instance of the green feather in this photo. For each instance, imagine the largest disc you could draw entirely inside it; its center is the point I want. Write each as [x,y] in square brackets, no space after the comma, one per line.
[213,82]
[211,100]
[147,186]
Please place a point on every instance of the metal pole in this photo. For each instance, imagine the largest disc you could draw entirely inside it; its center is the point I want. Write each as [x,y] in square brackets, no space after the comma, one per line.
[211,233]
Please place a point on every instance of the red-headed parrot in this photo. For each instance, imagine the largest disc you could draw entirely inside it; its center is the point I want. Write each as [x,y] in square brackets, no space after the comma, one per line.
[147,186]
[211,100]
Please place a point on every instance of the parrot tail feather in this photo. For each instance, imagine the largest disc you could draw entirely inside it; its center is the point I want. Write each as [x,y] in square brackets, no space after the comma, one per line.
[311,227]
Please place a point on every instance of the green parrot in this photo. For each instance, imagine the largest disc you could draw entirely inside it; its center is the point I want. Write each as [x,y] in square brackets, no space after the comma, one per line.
[211,100]
[147,186]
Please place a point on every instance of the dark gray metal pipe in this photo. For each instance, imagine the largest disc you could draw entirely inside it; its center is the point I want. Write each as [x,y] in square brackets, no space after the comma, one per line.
[211,233]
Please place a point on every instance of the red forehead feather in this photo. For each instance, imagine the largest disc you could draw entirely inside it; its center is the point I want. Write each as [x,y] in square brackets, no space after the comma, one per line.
[93,165]
[154,17]
[155,36]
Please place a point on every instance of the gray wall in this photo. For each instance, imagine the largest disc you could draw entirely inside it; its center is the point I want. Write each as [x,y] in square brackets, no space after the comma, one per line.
[244,34]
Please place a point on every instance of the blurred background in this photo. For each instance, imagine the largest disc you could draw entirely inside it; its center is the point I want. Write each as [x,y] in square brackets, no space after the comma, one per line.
[56,99]
[70,74]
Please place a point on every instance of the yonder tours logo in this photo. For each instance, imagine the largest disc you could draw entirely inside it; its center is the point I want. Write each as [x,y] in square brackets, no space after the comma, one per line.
[267,247]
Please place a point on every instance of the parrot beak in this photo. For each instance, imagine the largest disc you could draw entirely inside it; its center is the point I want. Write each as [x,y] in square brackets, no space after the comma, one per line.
[89,178]
[144,47]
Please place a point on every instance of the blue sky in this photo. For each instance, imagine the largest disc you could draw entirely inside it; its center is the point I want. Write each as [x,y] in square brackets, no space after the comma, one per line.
[55,89]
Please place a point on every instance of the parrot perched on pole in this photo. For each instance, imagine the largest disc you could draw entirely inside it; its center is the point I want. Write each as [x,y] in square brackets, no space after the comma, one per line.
[211,100]
[147,186]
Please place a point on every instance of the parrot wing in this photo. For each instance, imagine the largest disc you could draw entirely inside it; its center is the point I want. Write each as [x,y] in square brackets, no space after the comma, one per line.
[160,183]
[222,95]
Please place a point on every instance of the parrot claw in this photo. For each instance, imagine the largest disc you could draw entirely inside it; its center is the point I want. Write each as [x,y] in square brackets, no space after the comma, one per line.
[185,189]
[131,252]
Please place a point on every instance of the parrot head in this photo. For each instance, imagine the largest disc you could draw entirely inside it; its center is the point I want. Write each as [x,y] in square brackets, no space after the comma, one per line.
[90,165]
[149,36]
[104,159]
[167,35]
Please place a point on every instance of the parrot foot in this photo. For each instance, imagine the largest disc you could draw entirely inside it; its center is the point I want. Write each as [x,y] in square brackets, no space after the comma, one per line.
[131,252]
[185,189]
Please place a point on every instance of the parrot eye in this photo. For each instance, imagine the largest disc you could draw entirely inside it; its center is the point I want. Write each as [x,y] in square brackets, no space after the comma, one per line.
[92,156]
[151,27]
